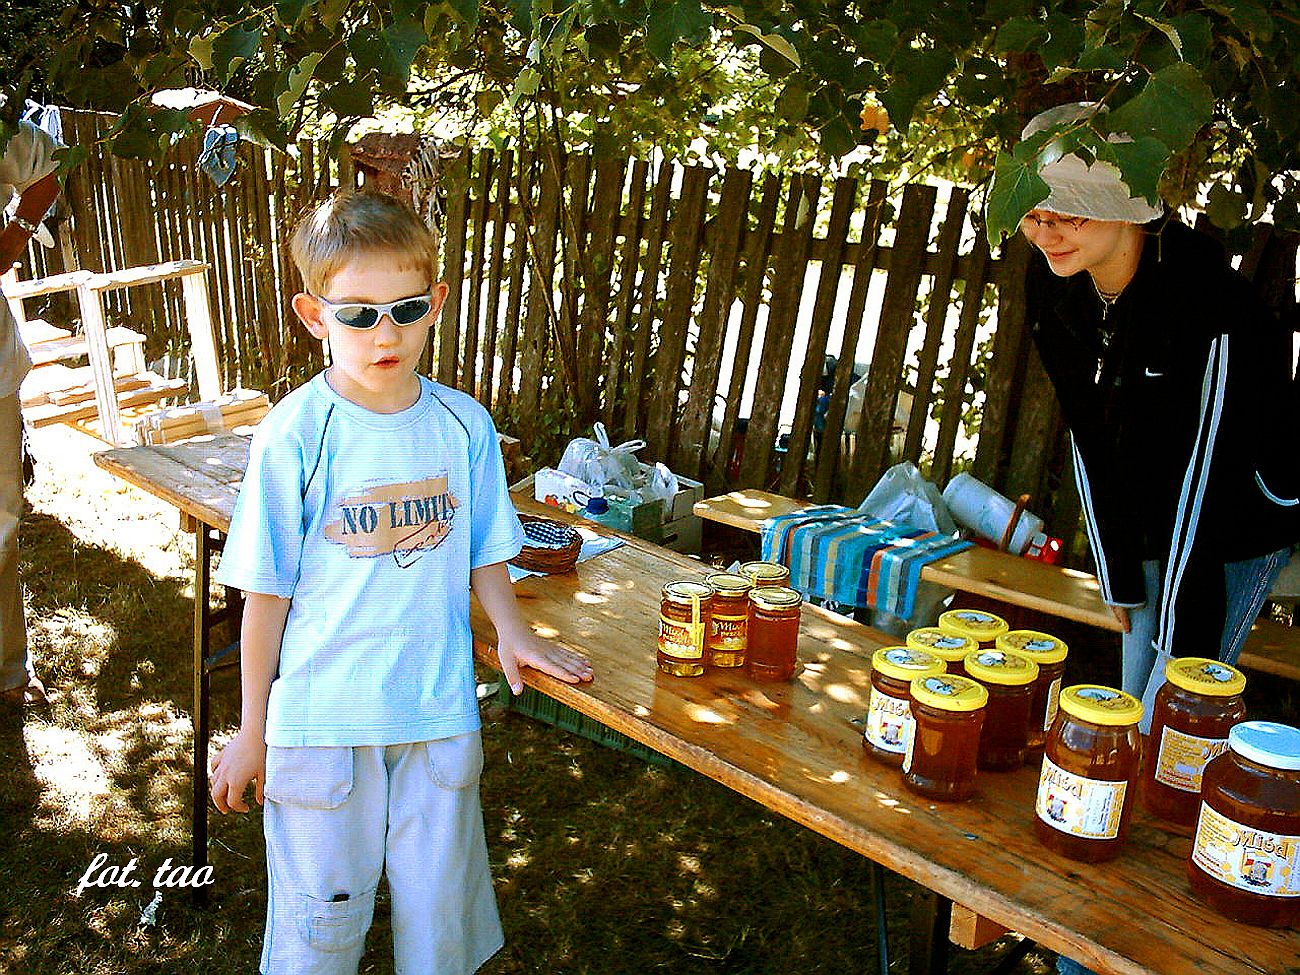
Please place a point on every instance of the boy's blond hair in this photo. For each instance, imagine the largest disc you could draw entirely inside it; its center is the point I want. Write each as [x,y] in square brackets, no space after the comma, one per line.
[355,222]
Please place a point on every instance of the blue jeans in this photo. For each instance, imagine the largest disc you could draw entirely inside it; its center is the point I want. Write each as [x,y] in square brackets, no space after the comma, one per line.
[1248,584]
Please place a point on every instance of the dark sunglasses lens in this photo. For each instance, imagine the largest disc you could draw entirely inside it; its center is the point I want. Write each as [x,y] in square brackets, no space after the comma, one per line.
[409,312]
[357,316]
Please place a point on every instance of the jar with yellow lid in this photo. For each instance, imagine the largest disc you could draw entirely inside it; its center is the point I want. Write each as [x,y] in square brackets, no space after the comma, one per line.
[947,715]
[975,624]
[773,637]
[762,574]
[729,619]
[1049,653]
[889,713]
[684,611]
[1090,769]
[950,649]
[1009,678]
[1193,712]
[1245,859]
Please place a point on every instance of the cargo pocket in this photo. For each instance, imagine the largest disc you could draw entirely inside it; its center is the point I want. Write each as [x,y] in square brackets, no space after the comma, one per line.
[313,778]
[336,925]
[455,763]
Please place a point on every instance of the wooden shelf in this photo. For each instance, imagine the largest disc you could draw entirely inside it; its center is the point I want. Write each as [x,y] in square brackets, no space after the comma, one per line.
[157,388]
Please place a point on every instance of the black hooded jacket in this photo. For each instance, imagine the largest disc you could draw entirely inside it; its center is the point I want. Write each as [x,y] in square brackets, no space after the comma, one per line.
[1185,422]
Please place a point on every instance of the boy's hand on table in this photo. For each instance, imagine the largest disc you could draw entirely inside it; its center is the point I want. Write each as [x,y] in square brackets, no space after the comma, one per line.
[550,658]
[241,762]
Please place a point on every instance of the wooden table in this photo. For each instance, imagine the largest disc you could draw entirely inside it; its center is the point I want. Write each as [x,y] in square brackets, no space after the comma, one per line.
[794,749]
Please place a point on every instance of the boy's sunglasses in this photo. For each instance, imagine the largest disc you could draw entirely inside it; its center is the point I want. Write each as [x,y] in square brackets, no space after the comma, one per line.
[358,315]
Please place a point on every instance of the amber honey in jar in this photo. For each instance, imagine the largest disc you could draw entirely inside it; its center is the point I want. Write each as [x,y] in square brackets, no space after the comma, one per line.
[1009,678]
[761,574]
[773,638]
[1245,859]
[975,624]
[1049,653]
[729,620]
[950,649]
[947,714]
[1090,768]
[1198,704]
[683,622]
[889,712]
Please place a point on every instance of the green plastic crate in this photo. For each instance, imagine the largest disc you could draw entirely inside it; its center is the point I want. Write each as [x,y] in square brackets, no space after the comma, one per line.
[537,705]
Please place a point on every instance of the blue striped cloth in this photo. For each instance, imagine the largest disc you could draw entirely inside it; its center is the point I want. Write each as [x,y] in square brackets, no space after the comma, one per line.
[845,556]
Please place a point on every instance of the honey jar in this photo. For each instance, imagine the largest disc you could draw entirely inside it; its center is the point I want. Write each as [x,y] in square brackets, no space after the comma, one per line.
[773,638]
[947,715]
[1090,767]
[975,624]
[683,622]
[1049,653]
[729,620]
[1190,719]
[950,649]
[1245,859]
[1009,678]
[889,713]
[762,574]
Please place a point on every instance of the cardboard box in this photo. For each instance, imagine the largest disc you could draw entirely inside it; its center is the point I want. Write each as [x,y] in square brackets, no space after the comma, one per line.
[683,535]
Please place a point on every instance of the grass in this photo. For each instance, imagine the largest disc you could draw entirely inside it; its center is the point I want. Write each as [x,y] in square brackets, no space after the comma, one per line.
[604,864]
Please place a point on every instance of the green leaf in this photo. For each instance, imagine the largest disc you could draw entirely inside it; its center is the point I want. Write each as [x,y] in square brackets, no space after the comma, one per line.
[487,101]
[1172,106]
[525,86]
[233,47]
[331,12]
[1018,34]
[1104,58]
[773,42]
[1063,43]
[1225,208]
[289,12]
[877,39]
[836,138]
[369,50]
[296,82]
[404,41]
[1196,35]
[69,157]
[1141,164]
[466,10]
[1169,30]
[263,127]
[673,21]
[914,75]
[792,104]
[349,99]
[1016,189]
[201,50]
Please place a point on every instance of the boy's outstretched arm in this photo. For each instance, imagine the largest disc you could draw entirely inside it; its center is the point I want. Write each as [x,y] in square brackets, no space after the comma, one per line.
[517,644]
[244,759]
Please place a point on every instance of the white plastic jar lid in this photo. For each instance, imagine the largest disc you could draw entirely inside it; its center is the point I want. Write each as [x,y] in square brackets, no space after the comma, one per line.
[1267,743]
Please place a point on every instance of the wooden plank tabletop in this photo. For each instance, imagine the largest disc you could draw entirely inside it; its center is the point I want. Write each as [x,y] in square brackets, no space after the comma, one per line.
[793,748]
[1067,593]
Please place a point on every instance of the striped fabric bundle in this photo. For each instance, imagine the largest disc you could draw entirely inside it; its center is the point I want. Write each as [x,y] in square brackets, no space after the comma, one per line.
[848,557]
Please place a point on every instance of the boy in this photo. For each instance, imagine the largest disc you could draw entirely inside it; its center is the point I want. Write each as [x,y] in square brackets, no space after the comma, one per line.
[375,499]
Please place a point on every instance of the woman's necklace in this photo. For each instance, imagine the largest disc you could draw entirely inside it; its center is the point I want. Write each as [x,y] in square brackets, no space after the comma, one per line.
[1108,298]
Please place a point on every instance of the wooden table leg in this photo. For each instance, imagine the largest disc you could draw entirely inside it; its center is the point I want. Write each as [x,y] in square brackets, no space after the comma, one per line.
[199,779]
[931,919]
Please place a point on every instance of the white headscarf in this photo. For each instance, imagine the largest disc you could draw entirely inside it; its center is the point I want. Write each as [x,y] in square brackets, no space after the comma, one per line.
[1080,190]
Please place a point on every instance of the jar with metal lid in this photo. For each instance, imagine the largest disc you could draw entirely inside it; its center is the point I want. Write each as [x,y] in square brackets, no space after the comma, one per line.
[1198,704]
[975,624]
[1090,769]
[729,620]
[947,715]
[1009,678]
[1245,859]
[889,712]
[762,574]
[683,622]
[950,649]
[1049,653]
[773,638]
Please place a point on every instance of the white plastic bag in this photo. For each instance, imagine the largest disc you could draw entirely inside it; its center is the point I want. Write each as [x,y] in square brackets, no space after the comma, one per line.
[660,483]
[599,464]
[903,495]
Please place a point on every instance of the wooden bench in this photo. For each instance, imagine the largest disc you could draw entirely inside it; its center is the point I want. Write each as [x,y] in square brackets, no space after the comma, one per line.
[1271,648]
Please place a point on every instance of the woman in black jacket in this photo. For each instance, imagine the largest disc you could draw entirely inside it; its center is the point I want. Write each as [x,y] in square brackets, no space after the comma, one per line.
[1177,386]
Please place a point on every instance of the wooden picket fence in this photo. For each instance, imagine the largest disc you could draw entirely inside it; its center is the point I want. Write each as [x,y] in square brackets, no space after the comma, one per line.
[587,289]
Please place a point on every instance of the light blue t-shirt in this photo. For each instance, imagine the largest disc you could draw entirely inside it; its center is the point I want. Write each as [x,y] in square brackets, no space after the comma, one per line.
[370,523]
